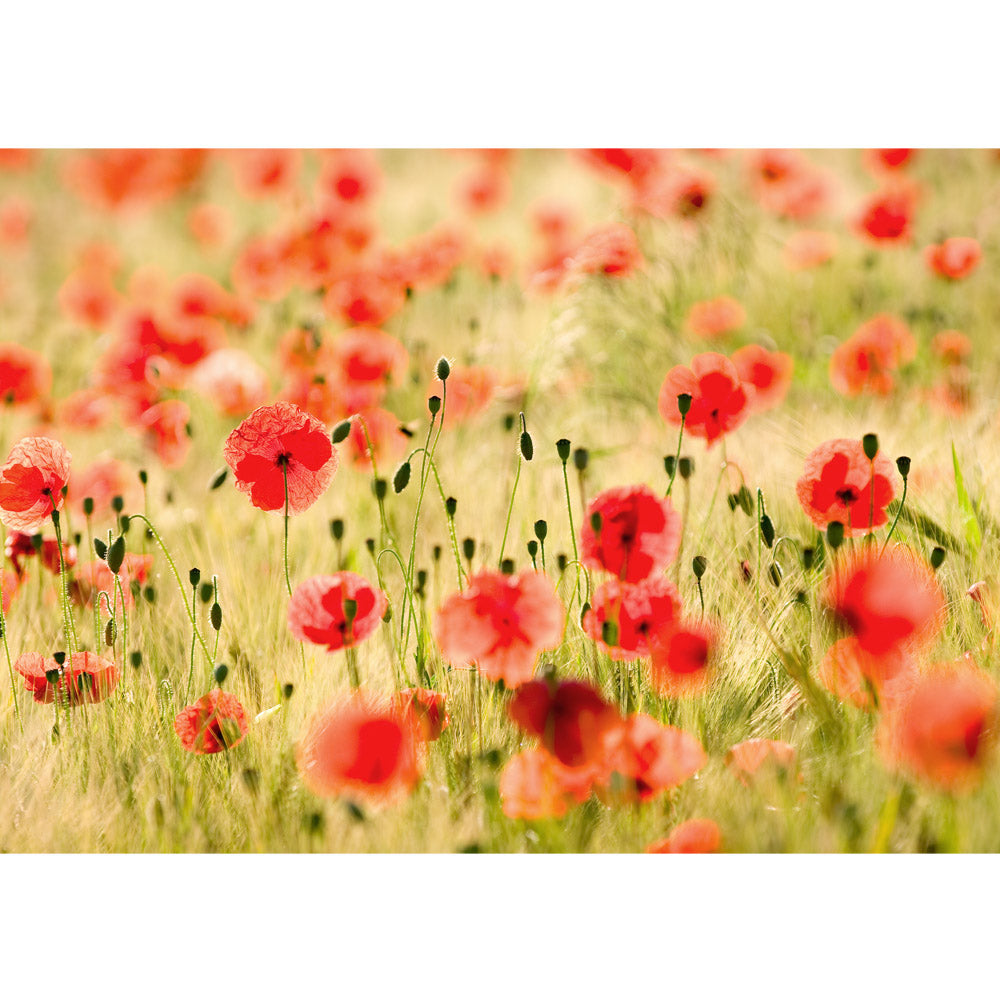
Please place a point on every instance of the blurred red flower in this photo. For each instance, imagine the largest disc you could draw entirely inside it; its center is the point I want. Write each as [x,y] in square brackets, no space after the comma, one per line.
[534,785]
[693,836]
[769,372]
[955,258]
[638,535]
[611,249]
[317,612]
[720,399]
[85,678]
[681,658]
[31,483]
[570,718]
[841,484]
[944,731]
[215,722]
[90,578]
[623,617]
[748,757]
[808,249]
[889,600]
[231,380]
[866,360]
[276,443]
[501,623]
[645,758]
[25,375]
[887,215]
[863,679]
[716,317]
[361,746]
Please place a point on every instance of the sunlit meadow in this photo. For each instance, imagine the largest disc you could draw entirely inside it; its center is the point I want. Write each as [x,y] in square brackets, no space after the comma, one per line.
[499,501]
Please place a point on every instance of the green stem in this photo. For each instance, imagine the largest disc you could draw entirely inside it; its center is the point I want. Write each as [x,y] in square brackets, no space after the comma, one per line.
[677,457]
[899,510]
[510,509]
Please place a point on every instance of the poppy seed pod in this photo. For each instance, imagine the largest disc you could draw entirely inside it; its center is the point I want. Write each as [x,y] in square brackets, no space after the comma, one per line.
[337,529]
[834,534]
[401,477]
[434,405]
[451,506]
[442,369]
[684,403]
[903,465]
[870,445]
[468,548]
[88,506]
[507,567]
[116,554]
[686,467]
[581,458]
[194,575]
[541,530]
[221,673]
[562,448]
[699,564]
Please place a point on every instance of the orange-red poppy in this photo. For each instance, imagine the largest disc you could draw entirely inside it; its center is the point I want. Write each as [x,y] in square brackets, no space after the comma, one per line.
[624,617]
[637,533]
[215,722]
[769,372]
[716,317]
[841,483]
[31,483]
[279,450]
[693,836]
[318,612]
[955,258]
[720,400]
[889,600]
[500,624]
[84,678]
[361,746]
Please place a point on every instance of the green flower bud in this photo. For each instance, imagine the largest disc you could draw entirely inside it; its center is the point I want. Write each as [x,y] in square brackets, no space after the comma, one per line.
[341,431]
[562,449]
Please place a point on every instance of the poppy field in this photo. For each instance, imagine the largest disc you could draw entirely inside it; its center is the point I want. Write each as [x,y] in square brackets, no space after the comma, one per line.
[603,500]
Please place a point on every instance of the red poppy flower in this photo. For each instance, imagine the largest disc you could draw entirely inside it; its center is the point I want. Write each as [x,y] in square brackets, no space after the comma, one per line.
[85,678]
[276,443]
[955,258]
[769,372]
[352,176]
[232,380]
[501,623]
[31,483]
[365,360]
[611,249]
[856,676]
[639,533]
[266,173]
[747,758]
[841,484]
[215,722]
[624,617]
[889,601]
[25,376]
[681,658]
[645,758]
[89,298]
[534,785]
[198,295]
[807,249]
[866,360]
[887,216]
[890,159]
[365,297]
[262,270]
[716,317]
[19,546]
[316,611]
[944,731]
[428,710]
[484,190]
[693,836]
[720,399]
[570,718]
[363,747]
